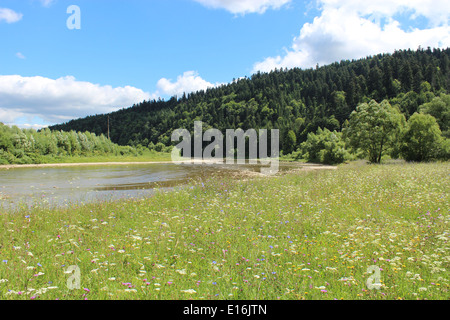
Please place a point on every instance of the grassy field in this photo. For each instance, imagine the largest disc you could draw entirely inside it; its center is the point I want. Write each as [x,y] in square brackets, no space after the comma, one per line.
[304,235]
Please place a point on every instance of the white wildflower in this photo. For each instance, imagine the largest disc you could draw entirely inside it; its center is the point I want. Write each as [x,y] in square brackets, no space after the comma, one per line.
[423,289]
[191,291]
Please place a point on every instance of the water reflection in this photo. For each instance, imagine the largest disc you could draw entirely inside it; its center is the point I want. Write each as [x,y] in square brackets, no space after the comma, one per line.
[80,184]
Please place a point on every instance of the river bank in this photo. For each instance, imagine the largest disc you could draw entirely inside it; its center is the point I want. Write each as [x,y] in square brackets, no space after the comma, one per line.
[311,166]
[82,164]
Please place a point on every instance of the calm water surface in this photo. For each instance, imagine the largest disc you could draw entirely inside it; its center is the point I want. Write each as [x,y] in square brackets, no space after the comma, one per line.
[81,184]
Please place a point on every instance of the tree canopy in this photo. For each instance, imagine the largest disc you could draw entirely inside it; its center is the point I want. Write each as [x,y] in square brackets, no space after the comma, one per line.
[295,101]
[23,146]
[374,127]
[422,139]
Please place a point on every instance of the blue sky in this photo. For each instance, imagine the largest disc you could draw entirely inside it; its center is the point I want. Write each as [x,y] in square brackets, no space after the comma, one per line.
[132,50]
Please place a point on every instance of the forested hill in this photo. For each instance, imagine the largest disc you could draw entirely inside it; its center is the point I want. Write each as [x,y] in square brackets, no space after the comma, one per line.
[290,100]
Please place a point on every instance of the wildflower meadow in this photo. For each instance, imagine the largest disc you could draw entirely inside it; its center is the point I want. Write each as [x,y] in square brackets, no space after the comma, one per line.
[359,232]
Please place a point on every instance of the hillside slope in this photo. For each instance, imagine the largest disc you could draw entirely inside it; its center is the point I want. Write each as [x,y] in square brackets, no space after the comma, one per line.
[295,99]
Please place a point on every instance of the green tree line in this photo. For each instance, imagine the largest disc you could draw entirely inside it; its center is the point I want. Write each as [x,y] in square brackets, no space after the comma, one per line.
[26,146]
[377,129]
[296,101]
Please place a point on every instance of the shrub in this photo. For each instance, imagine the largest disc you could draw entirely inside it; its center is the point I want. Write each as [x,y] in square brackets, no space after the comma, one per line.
[422,139]
[325,146]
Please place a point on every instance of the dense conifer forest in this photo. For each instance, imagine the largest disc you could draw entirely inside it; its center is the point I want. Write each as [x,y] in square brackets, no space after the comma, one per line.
[319,111]
[290,100]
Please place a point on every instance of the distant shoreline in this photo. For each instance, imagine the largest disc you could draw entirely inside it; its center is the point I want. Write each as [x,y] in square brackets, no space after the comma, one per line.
[83,164]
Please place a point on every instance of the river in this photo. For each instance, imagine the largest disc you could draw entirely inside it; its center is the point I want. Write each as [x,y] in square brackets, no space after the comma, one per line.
[61,186]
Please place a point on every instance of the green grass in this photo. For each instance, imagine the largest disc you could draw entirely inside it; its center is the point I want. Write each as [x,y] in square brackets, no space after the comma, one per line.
[308,235]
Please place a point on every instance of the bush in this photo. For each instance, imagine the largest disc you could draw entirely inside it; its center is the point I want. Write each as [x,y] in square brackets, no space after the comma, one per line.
[422,139]
[168,149]
[325,147]
[159,147]
[444,151]
[6,157]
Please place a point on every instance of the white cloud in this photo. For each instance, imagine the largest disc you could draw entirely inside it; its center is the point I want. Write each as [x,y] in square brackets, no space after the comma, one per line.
[244,6]
[189,82]
[20,55]
[41,101]
[438,11]
[9,16]
[47,3]
[354,29]
[8,116]
[32,126]
[59,100]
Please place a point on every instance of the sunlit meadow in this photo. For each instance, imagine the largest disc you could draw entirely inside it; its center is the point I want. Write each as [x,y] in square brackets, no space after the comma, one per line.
[302,235]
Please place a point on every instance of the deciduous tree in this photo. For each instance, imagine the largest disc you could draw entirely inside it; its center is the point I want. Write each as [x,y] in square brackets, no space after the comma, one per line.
[373,127]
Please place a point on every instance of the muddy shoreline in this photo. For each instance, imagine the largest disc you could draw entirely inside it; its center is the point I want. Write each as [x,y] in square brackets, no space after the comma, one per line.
[81,164]
[304,166]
